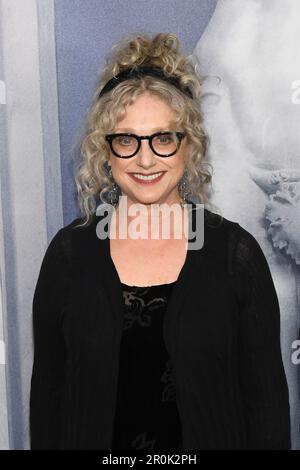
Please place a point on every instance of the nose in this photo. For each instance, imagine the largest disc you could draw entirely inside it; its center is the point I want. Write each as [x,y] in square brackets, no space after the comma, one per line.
[145,157]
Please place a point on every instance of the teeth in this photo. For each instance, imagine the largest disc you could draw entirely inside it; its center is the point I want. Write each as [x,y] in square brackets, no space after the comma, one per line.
[150,177]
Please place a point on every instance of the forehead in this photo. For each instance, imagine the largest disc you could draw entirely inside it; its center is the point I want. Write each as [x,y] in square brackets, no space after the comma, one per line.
[147,114]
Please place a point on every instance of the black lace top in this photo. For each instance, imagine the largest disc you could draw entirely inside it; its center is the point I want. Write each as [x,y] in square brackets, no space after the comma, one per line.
[146,414]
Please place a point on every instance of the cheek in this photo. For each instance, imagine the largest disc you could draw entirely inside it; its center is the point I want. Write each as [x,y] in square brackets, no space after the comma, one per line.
[179,166]
[118,168]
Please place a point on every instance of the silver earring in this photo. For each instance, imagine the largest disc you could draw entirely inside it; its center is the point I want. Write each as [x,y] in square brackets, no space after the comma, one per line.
[112,195]
[183,188]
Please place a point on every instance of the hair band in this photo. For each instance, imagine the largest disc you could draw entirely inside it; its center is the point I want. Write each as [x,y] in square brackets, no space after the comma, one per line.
[142,71]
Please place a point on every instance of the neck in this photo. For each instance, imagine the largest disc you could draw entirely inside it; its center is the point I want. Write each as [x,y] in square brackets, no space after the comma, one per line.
[156,218]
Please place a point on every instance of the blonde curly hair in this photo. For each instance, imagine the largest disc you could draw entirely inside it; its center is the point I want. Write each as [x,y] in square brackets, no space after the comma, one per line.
[160,51]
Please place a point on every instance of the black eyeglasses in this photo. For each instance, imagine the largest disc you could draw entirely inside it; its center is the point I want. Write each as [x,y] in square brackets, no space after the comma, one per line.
[163,144]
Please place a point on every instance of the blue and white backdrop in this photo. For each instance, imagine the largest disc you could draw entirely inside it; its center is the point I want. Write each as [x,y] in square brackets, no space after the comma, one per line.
[51,54]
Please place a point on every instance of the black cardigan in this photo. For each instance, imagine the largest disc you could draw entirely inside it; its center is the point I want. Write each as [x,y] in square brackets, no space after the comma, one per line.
[221,328]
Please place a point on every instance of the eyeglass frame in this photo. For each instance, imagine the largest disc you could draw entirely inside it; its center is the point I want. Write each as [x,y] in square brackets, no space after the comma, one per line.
[179,135]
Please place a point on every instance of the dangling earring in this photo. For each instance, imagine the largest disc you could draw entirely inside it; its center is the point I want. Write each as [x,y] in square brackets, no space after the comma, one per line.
[111,196]
[183,189]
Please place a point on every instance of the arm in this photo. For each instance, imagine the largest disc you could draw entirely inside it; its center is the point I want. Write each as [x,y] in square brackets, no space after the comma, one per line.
[262,376]
[47,379]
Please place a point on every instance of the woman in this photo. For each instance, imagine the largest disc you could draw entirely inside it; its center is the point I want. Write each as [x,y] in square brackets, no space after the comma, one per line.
[141,343]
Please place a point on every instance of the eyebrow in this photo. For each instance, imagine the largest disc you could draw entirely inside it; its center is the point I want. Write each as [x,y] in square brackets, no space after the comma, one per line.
[155,129]
[170,126]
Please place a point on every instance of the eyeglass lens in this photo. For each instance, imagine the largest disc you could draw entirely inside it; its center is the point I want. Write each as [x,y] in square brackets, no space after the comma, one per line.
[163,144]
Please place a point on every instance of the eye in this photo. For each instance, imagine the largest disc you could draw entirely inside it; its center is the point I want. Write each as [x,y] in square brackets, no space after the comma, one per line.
[164,139]
[125,140]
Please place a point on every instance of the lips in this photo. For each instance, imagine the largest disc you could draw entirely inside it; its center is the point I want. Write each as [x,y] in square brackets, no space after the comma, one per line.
[146,178]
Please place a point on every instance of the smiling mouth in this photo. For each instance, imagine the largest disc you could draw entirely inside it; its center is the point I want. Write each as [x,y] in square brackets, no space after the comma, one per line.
[147,178]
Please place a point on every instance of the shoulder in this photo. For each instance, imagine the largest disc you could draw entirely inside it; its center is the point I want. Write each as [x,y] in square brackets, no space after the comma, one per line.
[219,231]
[76,228]
[81,242]
[228,241]
[221,226]
[73,234]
